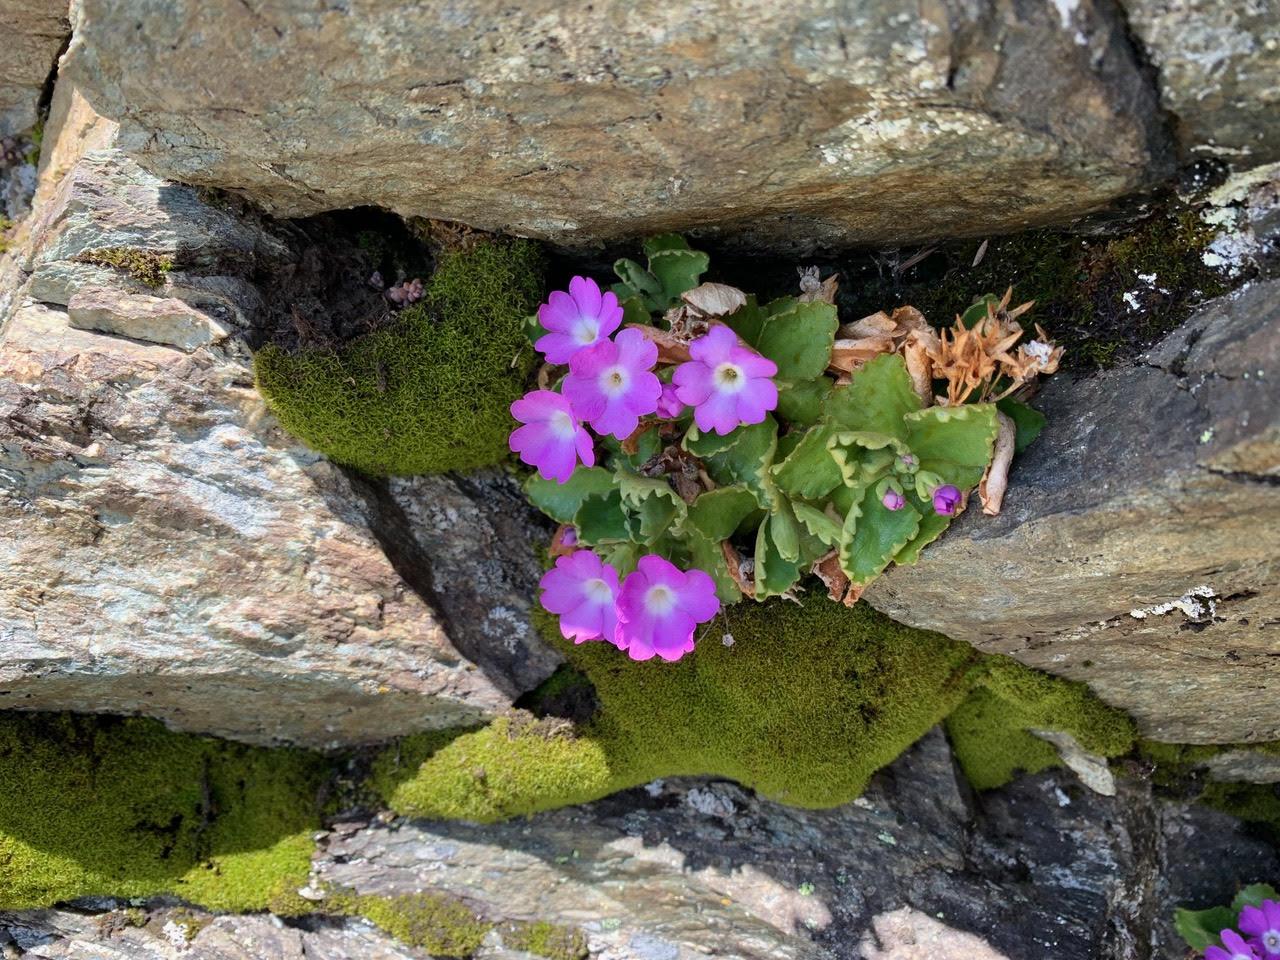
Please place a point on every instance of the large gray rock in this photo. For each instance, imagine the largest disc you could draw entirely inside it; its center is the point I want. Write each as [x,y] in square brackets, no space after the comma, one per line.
[1219,72]
[802,123]
[166,549]
[34,31]
[915,870]
[1138,543]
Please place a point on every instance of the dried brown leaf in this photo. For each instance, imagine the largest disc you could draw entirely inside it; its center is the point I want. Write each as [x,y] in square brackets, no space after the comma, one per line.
[714,299]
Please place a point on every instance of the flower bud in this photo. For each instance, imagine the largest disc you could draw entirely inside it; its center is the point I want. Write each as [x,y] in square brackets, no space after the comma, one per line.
[946,499]
[893,499]
[906,463]
[926,483]
[569,537]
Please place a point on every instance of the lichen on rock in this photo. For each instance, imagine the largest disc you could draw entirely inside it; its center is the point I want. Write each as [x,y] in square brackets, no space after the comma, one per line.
[430,391]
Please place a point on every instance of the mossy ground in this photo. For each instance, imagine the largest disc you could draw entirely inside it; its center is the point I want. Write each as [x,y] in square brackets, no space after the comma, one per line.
[805,705]
[127,808]
[148,267]
[431,391]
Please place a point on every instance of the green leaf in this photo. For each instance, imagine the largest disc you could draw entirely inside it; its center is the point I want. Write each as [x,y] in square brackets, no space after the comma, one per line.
[775,575]
[748,321]
[637,280]
[809,471]
[977,311]
[658,507]
[872,535]
[860,463]
[1028,420]
[817,523]
[623,556]
[678,270]
[954,442]
[801,402]
[561,501]
[664,241]
[932,526]
[876,398]
[717,513]
[634,310]
[708,444]
[1252,896]
[785,531]
[748,459]
[533,328]
[844,498]
[799,338]
[708,554]
[601,519]
[1200,928]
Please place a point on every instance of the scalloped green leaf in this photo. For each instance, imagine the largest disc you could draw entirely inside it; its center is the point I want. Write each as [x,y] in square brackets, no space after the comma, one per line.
[560,501]
[662,242]
[1200,928]
[954,442]
[799,338]
[872,535]
[634,309]
[876,398]
[861,465]
[678,270]
[623,556]
[809,471]
[748,320]
[817,523]
[657,507]
[1252,896]
[932,526]
[774,574]
[801,402]
[708,554]
[717,513]
[1027,419]
[601,519]
[748,459]
[708,444]
[636,280]
[785,531]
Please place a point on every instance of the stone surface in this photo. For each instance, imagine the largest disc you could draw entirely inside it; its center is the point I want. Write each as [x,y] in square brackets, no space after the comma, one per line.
[163,320]
[1136,550]
[34,32]
[917,868]
[803,124]
[1219,72]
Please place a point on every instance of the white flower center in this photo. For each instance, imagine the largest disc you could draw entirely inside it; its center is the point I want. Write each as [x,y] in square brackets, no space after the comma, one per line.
[1271,940]
[659,600]
[614,381]
[597,591]
[561,424]
[1039,351]
[586,330]
[729,378]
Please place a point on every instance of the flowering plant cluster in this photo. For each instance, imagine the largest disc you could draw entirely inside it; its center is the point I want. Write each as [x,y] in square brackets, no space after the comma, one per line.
[698,447]
[1249,929]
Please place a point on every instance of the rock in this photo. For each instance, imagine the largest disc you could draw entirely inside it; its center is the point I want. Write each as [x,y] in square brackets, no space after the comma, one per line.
[1091,768]
[797,125]
[1136,550]
[165,548]
[914,869]
[1219,72]
[34,32]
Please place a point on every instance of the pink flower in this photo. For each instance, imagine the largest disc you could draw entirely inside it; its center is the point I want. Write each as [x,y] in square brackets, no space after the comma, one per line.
[580,318]
[659,607]
[1262,924]
[946,499]
[611,385]
[669,405]
[551,439]
[1237,949]
[726,383]
[583,590]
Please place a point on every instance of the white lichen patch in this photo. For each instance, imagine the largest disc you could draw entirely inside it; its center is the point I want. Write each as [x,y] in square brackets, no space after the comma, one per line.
[1198,604]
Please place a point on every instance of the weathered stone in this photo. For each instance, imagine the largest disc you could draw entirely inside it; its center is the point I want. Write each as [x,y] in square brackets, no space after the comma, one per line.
[907,934]
[1136,550]
[805,123]
[1219,72]
[137,316]
[34,32]
[1092,769]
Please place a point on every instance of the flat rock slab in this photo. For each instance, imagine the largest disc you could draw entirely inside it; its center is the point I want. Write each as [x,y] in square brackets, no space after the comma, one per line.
[1138,543]
[801,124]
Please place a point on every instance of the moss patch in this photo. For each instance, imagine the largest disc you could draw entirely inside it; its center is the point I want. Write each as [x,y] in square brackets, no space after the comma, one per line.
[148,267]
[989,731]
[804,707]
[544,939]
[429,393]
[440,925]
[101,806]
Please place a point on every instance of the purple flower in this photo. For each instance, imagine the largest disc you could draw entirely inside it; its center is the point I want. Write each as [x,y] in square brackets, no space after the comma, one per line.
[551,439]
[659,607]
[1263,925]
[580,318]
[1237,949]
[726,383]
[946,499]
[569,537]
[893,499]
[583,590]
[669,405]
[611,385]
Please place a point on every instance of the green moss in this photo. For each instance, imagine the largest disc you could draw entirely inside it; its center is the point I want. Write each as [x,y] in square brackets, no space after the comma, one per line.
[804,707]
[989,731]
[545,939]
[146,266]
[127,808]
[1257,803]
[440,925]
[432,391]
